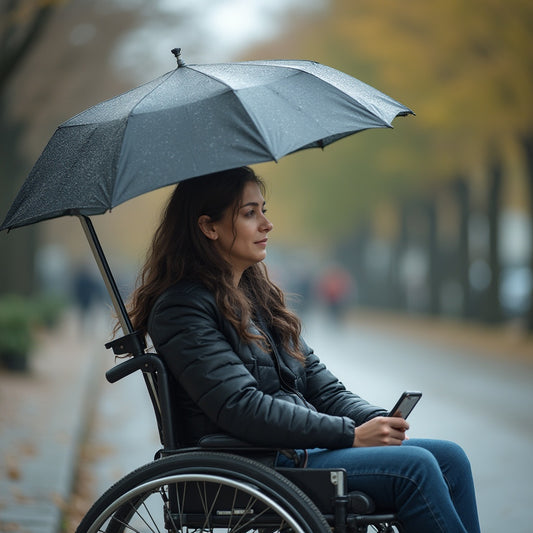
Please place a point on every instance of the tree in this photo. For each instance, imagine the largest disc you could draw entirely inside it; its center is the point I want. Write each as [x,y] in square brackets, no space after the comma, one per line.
[527,143]
[470,68]
[67,70]
[466,68]
[21,27]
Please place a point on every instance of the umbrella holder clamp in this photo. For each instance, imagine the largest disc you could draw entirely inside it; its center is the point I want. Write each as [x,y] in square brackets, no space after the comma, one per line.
[133,343]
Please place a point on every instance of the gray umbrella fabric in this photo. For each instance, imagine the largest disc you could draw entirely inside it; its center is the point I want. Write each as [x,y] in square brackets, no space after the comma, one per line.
[191,121]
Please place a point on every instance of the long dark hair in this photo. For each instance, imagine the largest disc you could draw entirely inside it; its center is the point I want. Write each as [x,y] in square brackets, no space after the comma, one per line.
[180,250]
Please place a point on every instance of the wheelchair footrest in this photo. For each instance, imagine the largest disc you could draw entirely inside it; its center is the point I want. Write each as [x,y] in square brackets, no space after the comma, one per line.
[373,519]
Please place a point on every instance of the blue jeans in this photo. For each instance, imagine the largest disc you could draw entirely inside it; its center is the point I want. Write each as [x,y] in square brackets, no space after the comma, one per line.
[427,483]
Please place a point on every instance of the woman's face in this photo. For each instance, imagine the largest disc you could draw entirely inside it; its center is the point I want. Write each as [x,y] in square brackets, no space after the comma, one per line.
[242,240]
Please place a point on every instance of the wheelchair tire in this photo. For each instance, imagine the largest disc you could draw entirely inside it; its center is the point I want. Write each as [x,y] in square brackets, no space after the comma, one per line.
[204,492]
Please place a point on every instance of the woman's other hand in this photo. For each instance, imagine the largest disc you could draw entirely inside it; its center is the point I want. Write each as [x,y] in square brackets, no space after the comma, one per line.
[381,431]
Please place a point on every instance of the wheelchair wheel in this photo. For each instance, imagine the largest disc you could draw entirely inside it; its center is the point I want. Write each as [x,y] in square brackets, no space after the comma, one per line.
[204,492]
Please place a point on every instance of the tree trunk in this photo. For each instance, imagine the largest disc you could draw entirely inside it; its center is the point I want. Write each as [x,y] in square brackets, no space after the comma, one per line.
[364,288]
[352,254]
[17,40]
[17,249]
[398,299]
[492,312]
[527,142]
[18,36]
[462,193]
[434,262]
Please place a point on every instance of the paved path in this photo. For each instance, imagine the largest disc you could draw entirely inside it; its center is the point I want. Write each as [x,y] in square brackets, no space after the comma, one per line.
[42,423]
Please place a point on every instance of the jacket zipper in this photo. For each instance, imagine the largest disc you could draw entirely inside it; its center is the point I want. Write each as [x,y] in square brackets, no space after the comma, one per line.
[276,357]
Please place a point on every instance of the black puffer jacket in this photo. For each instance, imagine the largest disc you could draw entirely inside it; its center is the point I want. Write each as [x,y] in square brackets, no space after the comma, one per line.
[227,386]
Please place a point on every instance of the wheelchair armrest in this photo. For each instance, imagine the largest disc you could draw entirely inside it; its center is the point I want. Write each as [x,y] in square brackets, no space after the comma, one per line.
[221,441]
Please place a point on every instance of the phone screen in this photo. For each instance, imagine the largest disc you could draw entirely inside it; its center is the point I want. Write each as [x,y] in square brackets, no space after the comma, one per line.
[405,404]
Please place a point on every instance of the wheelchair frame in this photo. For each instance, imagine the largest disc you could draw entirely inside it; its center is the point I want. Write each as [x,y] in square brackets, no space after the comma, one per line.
[223,484]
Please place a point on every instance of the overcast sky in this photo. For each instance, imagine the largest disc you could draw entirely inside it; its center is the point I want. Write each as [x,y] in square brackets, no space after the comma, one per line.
[208,31]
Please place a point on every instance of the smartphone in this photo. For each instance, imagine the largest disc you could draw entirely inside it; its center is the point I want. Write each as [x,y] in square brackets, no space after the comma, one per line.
[405,404]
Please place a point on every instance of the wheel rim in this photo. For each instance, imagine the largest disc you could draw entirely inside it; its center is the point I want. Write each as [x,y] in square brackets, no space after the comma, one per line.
[149,508]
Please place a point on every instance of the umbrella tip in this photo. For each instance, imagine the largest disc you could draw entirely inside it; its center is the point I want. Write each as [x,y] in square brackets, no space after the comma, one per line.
[177,54]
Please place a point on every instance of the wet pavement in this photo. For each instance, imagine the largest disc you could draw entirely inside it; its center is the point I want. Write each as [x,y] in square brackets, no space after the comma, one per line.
[43,417]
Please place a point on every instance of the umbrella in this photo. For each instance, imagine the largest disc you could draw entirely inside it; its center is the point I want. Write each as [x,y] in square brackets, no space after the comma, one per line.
[194,120]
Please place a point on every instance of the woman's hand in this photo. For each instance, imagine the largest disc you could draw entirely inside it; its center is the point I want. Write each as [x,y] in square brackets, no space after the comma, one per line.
[381,431]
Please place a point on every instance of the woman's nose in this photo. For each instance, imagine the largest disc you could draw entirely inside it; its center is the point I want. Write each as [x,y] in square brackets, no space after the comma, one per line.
[267,225]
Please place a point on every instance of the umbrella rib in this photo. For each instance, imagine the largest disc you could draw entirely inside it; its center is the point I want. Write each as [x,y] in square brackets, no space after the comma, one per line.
[320,140]
[211,76]
[217,79]
[71,122]
[162,80]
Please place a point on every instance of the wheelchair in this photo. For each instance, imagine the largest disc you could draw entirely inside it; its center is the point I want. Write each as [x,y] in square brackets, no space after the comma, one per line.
[223,484]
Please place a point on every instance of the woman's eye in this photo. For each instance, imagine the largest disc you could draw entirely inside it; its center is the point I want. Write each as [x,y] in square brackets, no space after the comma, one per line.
[253,212]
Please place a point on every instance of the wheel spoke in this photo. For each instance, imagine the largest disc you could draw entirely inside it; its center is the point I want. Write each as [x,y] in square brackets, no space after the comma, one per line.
[242,515]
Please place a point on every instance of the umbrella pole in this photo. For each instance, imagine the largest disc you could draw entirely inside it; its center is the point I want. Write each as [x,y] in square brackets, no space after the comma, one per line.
[131,342]
[106,273]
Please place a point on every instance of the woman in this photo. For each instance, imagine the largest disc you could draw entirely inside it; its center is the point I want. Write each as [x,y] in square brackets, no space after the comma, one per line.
[241,367]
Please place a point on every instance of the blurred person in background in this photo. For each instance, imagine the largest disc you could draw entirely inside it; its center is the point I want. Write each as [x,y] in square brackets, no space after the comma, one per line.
[335,288]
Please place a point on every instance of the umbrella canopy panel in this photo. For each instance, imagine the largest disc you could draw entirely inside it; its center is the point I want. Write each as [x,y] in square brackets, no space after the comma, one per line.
[191,121]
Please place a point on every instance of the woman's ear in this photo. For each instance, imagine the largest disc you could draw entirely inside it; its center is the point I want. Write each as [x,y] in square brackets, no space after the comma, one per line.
[207,227]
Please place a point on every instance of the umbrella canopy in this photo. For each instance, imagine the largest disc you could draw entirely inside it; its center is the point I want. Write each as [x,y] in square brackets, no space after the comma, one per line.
[194,120]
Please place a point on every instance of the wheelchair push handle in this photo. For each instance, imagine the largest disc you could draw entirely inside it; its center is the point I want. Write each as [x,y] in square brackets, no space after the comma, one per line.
[141,362]
[133,344]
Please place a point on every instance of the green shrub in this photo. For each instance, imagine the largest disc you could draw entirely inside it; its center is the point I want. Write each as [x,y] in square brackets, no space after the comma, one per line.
[48,309]
[17,318]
